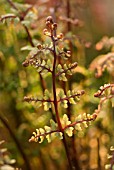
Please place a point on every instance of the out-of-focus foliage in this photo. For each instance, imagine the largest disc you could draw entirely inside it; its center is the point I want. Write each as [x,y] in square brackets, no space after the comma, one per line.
[5,162]
[83,27]
[111,158]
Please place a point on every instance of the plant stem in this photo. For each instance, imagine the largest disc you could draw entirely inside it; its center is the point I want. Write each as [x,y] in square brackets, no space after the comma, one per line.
[29,36]
[72,150]
[12,4]
[16,142]
[56,103]
[98,155]
[68,15]
[67,152]
[54,86]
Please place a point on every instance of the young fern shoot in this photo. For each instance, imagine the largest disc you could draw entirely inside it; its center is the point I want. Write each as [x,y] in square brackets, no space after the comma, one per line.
[59,72]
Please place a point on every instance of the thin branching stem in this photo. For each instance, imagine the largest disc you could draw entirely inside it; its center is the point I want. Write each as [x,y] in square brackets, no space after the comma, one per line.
[68,15]
[97,111]
[7,16]
[54,85]
[79,122]
[56,103]
[12,4]
[29,36]
[98,154]
[69,109]
[21,150]
[72,96]
[31,99]
[67,152]
[102,89]
[66,127]
[64,71]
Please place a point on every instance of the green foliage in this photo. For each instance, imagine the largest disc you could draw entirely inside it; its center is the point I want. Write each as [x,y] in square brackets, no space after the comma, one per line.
[72,97]
[6,163]
[111,158]
[54,84]
[52,131]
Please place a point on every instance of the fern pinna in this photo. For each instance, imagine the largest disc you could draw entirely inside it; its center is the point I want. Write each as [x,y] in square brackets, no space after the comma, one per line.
[54,59]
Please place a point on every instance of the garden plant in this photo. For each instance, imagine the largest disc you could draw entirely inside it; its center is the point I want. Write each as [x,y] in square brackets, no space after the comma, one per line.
[60,104]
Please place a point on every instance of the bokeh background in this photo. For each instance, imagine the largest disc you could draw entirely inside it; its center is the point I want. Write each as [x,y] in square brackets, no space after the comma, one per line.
[88,26]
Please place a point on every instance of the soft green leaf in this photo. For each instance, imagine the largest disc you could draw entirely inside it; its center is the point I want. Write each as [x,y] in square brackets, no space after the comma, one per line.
[47,129]
[16,20]
[53,125]
[69,131]
[3,21]
[85,124]
[77,98]
[84,116]
[69,93]
[38,104]
[108,166]
[109,156]
[42,131]
[1,142]
[64,104]
[39,69]
[36,139]
[43,63]
[89,122]
[49,63]
[41,139]
[79,118]
[34,133]
[22,7]
[26,23]
[69,72]
[44,72]
[88,116]
[62,77]
[65,120]
[73,92]
[48,137]
[112,148]
[59,135]
[46,94]
[65,66]
[71,100]
[61,94]
[59,67]
[28,47]
[8,21]
[78,127]
[37,132]
[3,150]
[31,16]
[12,161]
[6,167]
[47,105]
[34,51]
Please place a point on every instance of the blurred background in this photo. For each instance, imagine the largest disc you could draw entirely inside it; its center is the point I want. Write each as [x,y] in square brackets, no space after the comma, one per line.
[88,28]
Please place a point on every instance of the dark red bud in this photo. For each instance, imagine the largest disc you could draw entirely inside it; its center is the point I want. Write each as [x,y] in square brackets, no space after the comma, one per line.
[50,19]
[25,63]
